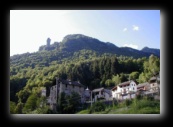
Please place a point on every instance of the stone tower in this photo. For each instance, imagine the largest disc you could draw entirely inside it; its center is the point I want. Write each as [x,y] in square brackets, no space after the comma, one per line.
[48,42]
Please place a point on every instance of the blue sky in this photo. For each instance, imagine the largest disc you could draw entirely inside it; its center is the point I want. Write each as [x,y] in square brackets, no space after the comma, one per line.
[30,29]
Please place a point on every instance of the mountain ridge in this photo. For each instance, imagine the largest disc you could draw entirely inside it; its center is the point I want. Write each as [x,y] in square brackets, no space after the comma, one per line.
[76,42]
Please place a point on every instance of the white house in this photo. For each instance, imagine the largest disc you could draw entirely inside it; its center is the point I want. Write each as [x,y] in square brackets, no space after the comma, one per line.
[124,90]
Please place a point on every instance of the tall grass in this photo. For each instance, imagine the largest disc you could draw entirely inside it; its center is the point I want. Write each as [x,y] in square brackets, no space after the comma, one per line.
[144,105]
[141,106]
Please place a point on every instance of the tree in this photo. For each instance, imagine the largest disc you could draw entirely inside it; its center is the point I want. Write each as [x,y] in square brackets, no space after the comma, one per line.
[109,83]
[23,95]
[116,79]
[73,102]
[68,104]
[123,77]
[134,75]
[12,107]
[31,103]
[114,65]
[42,108]
[19,107]
[154,64]
[61,103]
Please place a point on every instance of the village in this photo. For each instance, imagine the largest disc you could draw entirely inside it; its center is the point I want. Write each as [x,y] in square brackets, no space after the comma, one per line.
[125,90]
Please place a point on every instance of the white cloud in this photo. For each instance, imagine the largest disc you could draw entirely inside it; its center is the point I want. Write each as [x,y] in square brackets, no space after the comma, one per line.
[125,29]
[131,45]
[135,28]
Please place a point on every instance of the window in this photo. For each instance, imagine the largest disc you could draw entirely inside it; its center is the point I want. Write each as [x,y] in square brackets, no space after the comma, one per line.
[133,88]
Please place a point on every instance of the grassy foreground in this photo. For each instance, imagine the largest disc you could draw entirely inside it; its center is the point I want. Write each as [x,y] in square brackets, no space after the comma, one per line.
[134,106]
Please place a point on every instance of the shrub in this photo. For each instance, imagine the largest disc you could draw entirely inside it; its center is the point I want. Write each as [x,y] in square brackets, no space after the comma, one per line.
[151,98]
[128,102]
[138,97]
[97,107]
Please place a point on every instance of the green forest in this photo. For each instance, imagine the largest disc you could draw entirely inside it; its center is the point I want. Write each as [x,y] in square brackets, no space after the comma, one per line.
[30,72]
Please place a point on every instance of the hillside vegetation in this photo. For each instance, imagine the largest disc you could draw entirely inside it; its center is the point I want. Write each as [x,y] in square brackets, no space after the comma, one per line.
[134,106]
[79,58]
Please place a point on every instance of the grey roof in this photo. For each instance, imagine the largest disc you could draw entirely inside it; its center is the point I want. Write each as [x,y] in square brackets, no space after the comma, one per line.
[97,90]
[142,84]
[152,78]
[125,83]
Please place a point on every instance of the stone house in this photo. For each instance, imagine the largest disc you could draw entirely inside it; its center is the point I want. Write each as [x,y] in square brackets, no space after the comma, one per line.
[154,85]
[101,94]
[66,86]
[143,88]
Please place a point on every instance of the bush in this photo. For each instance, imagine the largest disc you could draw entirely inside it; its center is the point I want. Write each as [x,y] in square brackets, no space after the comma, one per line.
[151,98]
[128,102]
[138,97]
[97,107]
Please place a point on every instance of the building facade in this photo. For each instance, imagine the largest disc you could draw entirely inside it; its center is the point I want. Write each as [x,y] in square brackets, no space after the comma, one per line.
[124,90]
[66,86]
[101,94]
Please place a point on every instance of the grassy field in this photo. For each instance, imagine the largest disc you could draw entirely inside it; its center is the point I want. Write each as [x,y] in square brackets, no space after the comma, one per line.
[135,106]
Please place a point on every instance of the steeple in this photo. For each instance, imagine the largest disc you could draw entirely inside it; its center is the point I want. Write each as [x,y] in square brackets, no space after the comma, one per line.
[87,88]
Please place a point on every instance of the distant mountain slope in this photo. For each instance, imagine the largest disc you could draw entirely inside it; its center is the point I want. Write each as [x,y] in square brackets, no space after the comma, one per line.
[151,50]
[75,43]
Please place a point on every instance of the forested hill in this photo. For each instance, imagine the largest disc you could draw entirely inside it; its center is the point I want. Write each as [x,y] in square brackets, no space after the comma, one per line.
[74,45]
[76,42]
[79,58]
[151,50]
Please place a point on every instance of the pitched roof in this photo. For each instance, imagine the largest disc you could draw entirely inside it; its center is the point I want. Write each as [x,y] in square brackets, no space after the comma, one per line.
[125,83]
[142,84]
[114,88]
[97,90]
[153,78]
